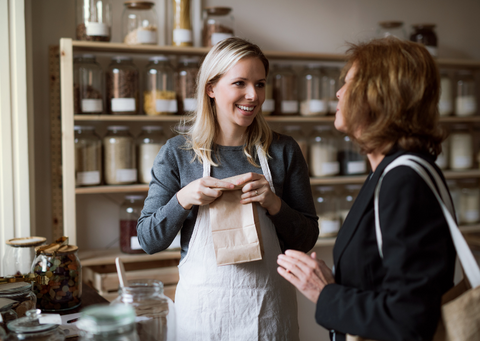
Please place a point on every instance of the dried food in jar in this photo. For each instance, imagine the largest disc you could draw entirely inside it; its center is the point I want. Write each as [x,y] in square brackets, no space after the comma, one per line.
[83,34]
[160,102]
[182,27]
[22,296]
[142,35]
[119,156]
[79,101]
[122,86]
[218,25]
[425,34]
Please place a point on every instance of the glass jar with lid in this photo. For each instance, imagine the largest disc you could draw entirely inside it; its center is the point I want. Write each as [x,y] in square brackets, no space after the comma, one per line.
[149,143]
[461,147]
[425,34]
[268,105]
[323,152]
[87,85]
[347,198]
[94,20]
[129,213]
[326,205]
[352,162]
[21,294]
[218,25]
[312,101]
[469,209]
[182,25]
[443,158]
[445,104]
[465,100]
[88,156]
[160,97]
[19,255]
[30,328]
[187,71]
[285,90]
[108,322]
[120,162]
[139,23]
[391,28]
[122,86]
[147,298]
[330,85]
[298,135]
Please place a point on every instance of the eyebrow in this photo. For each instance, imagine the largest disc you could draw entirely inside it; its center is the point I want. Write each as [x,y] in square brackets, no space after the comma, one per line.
[244,79]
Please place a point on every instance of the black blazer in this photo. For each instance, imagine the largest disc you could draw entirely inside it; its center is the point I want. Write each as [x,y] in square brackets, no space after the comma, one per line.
[399,297]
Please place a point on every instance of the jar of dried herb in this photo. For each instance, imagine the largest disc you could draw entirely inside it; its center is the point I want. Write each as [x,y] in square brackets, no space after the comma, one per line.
[122,86]
[187,71]
[88,156]
[285,90]
[149,143]
[119,156]
[139,23]
[219,25]
[159,97]
[87,85]
[94,20]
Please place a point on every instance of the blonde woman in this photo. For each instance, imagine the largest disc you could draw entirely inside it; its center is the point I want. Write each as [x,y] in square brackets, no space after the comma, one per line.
[228,137]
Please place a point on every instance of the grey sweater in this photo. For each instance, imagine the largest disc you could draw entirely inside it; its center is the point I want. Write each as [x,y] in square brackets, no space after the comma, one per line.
[162,216]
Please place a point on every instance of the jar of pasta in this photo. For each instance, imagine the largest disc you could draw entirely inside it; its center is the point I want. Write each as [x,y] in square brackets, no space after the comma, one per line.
[149,143]
[159,96]
[461,147]
[119,156]
[326,205]
[323,152]
[94,20]
[218,25]
[88,156]
[445,104]
[465,100]
[268,105]
[285,90]
[312,102]
[19,255]
[122,86]
[87,85]
[296,132]
[130,211]
[187,71]
[21,297]
[469,201]
[139,23]
[352,162]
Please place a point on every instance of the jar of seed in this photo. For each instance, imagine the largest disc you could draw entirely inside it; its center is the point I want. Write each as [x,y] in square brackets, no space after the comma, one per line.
[119,156]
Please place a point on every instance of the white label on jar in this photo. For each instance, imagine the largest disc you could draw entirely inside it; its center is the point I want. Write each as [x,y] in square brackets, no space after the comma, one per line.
[126,175]
[189,104]
[462,162]
[146,36]
[218,37]
[330,168]
[445,107]
[176,243]
[181,35]
[441,161]
[356,167]
[329,226]
[433,50]
[123,104]
[268,105]
[166,105]
[92,105]
[134,243]
[148,152]
[88,178]
[289,107]
[471,216]
[97,29]
[332,106]
[465,105]
[317,106]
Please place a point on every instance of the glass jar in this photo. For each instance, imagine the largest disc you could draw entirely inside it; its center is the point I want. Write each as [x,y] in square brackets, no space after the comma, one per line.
[425,34]
[312,102]
[60,263]
[461,148]
[444,156]
[19,255]
[285,90]
[348,196]
[88,156]
[7,314]
[159,96]
[119,156]
[94,20]
[330,85]
[107,323]
[323,152]
[465,100]
[30,328]
[87,85]
[122,86]
[139,23]
[268,105]
[129,213]
[455,194]
[149,143]
[445,104]
[218,25]
[469,210]
[187,71]
[21,294]
[352,162]
[297,133]
[3,335]
[147,298]
[326,205]
[391,28]
[182,26]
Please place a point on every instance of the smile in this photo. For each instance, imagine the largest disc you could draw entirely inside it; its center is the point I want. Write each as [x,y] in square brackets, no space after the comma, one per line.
[244,108]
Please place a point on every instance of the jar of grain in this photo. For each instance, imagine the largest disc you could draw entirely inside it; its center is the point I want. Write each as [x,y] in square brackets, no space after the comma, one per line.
[461,147]
[323,152]
[285,90]
[182,26]
[94,20]
[187,71]
[296,132]
[312,102]
[139,23]
[268,105]
[469,201]
[465,100]
[149,143]
[119,156]
[326,205]
[88,157]
[425,34]
[352,162]
[159,97]
[130,211]
[219,25]
[330,85]
[87,85]
[122,86]
[445,104]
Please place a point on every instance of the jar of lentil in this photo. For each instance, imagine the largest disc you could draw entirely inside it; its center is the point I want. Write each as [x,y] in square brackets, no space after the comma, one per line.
[285,90]
[21,294]
[187,71]
[445,104]
[159,96]
[94,20]
[119,156]
[87,85]
[425,34]
[312,102]
[296,132]
[218,25]
[352,162]
[130,211]
[139,23]
[469,209]
[122,86]
[461,147]
[326,205]
[323,152]
[29,328]
[149,143]
[88,156]
[268,105]
[465,100]
[19,255]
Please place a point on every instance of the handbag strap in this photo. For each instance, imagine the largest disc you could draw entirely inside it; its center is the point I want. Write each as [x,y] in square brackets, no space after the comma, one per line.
[469,264]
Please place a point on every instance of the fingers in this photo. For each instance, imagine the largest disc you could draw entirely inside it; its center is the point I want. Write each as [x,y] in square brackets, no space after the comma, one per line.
[302,257]
[215,183]
[248,177]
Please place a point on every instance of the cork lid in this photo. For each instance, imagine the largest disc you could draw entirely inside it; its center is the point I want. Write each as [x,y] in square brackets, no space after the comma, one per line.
[26,241]
[139,4]
[55,249]
[390,24]
[13,287]
[218,10]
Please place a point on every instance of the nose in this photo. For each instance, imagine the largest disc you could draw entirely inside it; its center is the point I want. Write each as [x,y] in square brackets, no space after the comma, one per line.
[251,93]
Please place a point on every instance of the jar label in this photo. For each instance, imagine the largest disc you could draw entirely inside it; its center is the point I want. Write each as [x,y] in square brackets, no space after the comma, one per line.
[445,107]
[189,104]
[97,29]
[166,105]
[146,36]
[123,104]
[268,105]
[126,175]
[461,162]
[218,37]
[471,216]
[317,106]
[92,105]
[328,226]
[134,243]
[433,50]
[289,107]
[465,106]
[88,178]
[332,106]
[147,152]
[356,167]
[330,168]
[181,35]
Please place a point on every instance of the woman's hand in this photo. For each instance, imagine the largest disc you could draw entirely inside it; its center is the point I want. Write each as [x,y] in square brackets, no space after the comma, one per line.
[202,192]
[257,189]
[309,274]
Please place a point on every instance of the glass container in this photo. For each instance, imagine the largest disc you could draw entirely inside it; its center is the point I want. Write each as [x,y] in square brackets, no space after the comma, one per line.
[218,25]
[296,132]
[119,156]
[187,71]
[469,208]
[465,100]
[129,213]
[155,312]
[3,335]
[149,143]
[94,20]
[347,198]
[139,23]
[444,157]
[268,105]
[352,162]
[455,194]
[330,85]
[323,152]
[7,314]
[159,97]
[21,294]
[88,156]
[87,85]
[445,104]
[30,328]
[461,147]
[285,90]
[425,34]
[19,255]
[391,28]
[312,101]
[122,86]
[182,25]
[326,205]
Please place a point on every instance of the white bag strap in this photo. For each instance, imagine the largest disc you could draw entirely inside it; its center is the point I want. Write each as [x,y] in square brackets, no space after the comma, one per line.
[469,264]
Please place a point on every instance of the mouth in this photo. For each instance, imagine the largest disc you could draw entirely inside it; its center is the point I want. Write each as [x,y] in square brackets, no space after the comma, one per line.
[246,108]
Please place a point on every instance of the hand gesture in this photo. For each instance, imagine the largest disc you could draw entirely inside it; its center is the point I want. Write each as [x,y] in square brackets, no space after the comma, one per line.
[257,189]
[202,192]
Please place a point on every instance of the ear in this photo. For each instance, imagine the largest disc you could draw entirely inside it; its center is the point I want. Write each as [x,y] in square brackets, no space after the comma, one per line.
[210,92]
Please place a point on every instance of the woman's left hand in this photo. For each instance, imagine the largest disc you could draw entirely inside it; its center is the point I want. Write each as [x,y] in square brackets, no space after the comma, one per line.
[257,189]
[309,274]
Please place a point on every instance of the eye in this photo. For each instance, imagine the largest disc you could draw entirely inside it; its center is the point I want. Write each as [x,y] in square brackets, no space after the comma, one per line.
[239,83]
[261,85]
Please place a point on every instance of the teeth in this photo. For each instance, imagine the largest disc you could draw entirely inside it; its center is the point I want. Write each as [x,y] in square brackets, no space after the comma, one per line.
[245,108]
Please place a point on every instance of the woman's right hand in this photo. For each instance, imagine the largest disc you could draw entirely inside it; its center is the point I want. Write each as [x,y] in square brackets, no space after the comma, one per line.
[202,192]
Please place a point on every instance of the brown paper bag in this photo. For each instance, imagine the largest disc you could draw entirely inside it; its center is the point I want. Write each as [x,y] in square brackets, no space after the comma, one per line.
[235,228]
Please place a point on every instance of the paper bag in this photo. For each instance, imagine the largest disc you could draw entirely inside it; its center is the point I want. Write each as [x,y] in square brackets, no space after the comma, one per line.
[235,228]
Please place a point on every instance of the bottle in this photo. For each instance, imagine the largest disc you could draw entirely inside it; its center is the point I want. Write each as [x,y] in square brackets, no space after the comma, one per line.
[218,25]
[160,97]
[326,205]
[187,71]
[122,86]
[87,85]
[149,143]
[350,159]
[88,156]
[323,152]
[29,328]
[119,156]
[445,104]
[312,102]
[130,211]
[425,34]
[94,20]
[465,101]
[285,90]
[296,132]
[461,147]
[391,28]
[19,255]
[182,27]
[139,23]
[268,105]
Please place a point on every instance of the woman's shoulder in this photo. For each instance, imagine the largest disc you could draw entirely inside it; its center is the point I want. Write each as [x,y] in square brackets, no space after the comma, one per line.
[282,141]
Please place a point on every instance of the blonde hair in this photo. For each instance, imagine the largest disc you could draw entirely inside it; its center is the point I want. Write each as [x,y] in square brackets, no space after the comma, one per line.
[203,131]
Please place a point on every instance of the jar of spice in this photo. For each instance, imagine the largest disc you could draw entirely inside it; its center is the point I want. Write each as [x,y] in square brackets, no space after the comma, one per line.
[425,34]
[461,148]
[443,157]
[465,100]
[445,104]
[187,71]
[149,143]
[129,213]
[268,105]
[296,132]
[29,328]
[122,86]
[22,296]
[330,86]
[160,97]
[326,205]
[182,26]
[87,85]
[88,156]
[391,28]
[119,156]
[348,196]
[219,25]
[139,23]
[94,20]
[285,90]
[469,201]
[323,152]
[19,255]
[311,98]
[352,162]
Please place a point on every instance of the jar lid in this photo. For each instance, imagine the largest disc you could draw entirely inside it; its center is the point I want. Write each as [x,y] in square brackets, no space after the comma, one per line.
[15,287]
[149,128]
[77,128]
[139,4]
[26,241]
[30,324]
[55,249]
[105,318]
[121,58]
[6,303]
[390,24]
[426,26]
[134,197]
[160,58]
[218,10]
[113,128]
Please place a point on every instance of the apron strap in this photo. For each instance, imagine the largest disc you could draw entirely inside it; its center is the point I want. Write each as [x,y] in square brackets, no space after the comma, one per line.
[265,169]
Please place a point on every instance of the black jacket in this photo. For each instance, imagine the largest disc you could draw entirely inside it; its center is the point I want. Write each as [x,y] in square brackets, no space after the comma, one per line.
[399,297]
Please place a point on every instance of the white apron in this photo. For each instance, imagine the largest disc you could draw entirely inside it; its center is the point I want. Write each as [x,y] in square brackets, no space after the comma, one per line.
[243,302]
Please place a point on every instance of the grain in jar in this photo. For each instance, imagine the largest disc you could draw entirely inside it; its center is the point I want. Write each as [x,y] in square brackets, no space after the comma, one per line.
[445,104]
[119,156]
[323,152]
[469,201]
[465,100]
[326,205]
[182,26]
[88,156]
[461,148]
[139,23]
[94,20]
[130,211]
[122,86]
[268,105]
[87,85]
[285,90]
[187,71]
[149,143]
[298,135]
[159,97]
[352,162]
[312,102]
[218,25]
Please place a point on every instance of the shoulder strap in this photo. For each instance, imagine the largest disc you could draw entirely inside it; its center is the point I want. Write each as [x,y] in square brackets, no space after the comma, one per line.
[469,264]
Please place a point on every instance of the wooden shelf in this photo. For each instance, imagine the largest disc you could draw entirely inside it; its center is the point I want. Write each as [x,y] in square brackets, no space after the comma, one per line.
[104,257]
[325,242]
[112,189]
[469,228]
[471,173]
